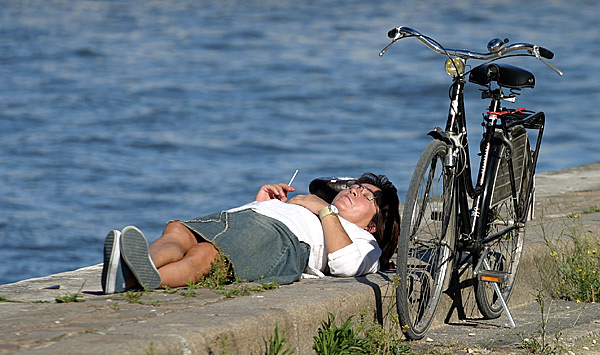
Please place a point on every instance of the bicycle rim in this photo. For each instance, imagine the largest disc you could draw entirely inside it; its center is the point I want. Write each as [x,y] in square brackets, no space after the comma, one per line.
[504,254]
[426,242]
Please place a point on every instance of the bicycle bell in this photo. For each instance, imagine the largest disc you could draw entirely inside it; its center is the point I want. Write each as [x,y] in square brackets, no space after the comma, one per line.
[495,45]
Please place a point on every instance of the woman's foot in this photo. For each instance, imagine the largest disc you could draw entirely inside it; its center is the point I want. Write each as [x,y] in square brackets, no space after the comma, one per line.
[134,250]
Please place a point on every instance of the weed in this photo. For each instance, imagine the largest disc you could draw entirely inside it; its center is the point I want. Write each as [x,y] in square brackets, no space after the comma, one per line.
[221,279]
[169,290]
[592,209]
[4,299]
[542,344]
[154,302]
[386,340]
[367,337]
[265,286]
[332,339]
[237,290]
[188,290]
[135,296]
[224,343]
[276,344]
[220,273]
[245,289]
[572,271]
[189,293]
[74,297]
[151,349]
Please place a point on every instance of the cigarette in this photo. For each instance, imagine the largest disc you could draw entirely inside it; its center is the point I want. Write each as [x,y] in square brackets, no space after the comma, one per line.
[293,177]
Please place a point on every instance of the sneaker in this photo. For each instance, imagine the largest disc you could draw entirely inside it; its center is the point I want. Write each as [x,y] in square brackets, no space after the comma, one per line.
[135,253]
[114,270]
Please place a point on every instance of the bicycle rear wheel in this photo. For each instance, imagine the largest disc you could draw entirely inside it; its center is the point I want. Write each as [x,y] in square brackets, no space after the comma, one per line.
[426,242]
[504,253]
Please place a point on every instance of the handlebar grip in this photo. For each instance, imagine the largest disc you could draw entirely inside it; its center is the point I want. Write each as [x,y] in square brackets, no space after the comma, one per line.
[393,32]
[546,53]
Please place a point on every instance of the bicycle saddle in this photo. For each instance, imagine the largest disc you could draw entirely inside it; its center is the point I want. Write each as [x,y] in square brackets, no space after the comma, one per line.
[328,187]
[505,75]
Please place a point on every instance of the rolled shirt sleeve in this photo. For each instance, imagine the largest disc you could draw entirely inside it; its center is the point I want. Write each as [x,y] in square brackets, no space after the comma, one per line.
[359,258]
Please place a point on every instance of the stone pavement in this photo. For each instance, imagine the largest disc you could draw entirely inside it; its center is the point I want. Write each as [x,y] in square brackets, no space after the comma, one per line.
[163,322]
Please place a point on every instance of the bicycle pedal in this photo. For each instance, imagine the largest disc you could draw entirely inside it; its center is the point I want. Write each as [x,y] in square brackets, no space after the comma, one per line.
[492,276]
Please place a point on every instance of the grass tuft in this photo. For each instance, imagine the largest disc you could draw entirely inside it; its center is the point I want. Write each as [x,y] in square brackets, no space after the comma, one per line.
[221,279]
[4,299]
[571,271]
[73,297]
[276,344]
[344,339]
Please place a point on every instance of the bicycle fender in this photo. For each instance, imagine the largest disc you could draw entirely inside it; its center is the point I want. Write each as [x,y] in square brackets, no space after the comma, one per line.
[441,135]
[499,136]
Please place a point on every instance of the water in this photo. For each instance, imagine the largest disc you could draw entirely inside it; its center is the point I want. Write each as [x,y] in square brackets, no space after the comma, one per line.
[138,112]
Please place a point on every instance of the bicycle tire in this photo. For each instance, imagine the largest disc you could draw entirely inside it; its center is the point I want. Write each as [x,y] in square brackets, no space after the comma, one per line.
[504,254]
[426,242]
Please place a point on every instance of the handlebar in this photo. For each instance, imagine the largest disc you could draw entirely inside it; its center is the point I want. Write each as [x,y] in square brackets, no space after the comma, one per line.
[496,47]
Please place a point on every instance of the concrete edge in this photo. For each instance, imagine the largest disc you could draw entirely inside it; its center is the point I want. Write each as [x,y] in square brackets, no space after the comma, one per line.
[237,325]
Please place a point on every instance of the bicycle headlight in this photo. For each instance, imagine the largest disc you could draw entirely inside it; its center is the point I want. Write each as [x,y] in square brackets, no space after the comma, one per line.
[454,66]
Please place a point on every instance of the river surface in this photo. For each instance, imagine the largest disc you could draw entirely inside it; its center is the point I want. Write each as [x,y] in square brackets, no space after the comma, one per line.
[137,112]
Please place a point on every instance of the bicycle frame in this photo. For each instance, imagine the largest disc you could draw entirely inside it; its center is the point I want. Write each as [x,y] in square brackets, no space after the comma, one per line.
[455,135]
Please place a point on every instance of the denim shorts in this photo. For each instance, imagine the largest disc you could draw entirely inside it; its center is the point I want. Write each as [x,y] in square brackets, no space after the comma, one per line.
[259,247]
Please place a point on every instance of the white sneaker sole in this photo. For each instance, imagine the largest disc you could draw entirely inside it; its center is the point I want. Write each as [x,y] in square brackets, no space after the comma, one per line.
[112,254]
[135,252]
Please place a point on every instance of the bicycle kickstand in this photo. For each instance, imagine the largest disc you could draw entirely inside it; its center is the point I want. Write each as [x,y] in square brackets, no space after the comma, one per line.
[494,277]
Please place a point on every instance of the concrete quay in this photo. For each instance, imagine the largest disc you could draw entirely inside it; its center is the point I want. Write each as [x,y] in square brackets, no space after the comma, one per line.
[163,322]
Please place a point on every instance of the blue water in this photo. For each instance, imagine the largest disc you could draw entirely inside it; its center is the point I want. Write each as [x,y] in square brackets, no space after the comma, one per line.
[138,112]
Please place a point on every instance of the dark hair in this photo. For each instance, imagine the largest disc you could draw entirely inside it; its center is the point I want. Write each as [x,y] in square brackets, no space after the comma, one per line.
[387,219]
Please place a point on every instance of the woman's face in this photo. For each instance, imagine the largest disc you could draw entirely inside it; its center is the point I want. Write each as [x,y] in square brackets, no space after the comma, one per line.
[358,204]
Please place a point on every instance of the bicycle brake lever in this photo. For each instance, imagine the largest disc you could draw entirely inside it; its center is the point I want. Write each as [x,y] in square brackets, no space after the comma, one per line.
[386,48]
[536,53]
[395,34]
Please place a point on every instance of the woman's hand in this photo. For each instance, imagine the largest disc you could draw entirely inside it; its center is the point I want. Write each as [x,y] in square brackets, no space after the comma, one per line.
[311,202]
[274,191]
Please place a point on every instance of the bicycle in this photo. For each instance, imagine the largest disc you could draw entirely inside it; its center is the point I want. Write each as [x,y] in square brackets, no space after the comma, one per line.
[449,221]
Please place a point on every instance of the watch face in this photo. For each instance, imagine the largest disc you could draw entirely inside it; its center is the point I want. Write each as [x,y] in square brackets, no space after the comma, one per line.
[334,209]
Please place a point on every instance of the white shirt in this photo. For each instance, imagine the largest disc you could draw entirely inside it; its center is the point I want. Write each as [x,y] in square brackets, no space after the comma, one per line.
[359,258]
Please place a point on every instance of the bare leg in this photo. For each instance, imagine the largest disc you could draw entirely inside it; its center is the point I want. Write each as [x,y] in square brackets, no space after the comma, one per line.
[175,241]
[194,266]
[179,257]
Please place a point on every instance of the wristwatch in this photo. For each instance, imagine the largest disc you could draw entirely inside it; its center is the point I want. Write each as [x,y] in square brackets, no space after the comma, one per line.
[327,210]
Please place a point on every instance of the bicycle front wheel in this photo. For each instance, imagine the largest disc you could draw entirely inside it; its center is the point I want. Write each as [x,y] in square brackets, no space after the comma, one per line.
[426,242]
[504,253]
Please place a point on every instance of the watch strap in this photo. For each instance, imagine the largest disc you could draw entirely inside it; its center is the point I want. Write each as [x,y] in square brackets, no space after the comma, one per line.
[327,210]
